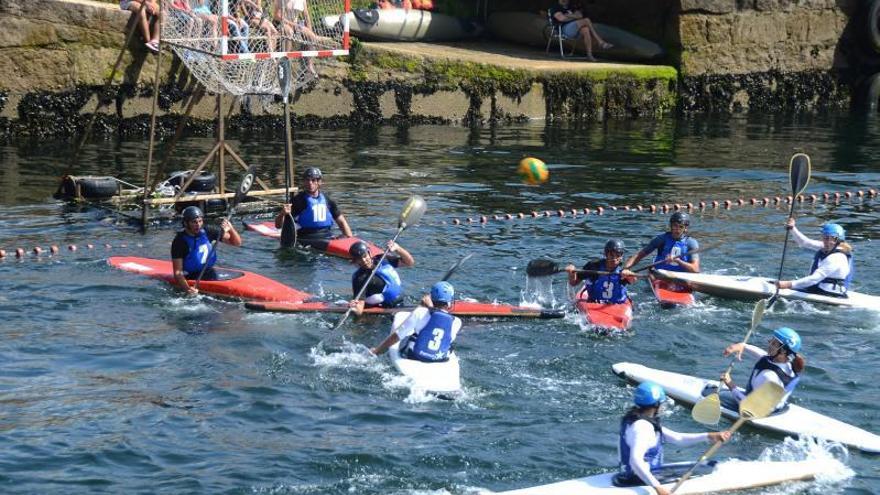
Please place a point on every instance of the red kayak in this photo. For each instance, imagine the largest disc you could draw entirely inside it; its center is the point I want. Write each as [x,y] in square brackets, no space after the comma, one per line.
[334,247]
[459,308]
[231,283]
[605,315]
[670,293]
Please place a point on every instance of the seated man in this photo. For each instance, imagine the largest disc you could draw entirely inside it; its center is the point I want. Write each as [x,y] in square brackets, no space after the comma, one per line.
[192,251]
[385,288]
[575,25]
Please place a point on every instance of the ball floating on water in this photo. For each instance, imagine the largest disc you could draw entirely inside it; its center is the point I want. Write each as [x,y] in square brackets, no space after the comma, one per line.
[533,171]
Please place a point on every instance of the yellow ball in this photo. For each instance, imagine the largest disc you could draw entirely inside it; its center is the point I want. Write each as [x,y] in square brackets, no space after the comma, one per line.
[533,171]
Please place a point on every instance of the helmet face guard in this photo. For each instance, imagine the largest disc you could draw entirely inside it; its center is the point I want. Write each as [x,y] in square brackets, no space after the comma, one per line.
[615,246]
[312,173]
[358,250]
[680,218]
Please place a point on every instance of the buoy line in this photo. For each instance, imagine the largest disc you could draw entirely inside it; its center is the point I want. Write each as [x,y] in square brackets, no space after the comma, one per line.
[665,208]
[53,250]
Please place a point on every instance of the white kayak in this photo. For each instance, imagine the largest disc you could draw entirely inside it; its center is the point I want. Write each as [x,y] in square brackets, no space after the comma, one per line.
[794,420]
[406,25]
[727,476]
[754,288]
[441,378]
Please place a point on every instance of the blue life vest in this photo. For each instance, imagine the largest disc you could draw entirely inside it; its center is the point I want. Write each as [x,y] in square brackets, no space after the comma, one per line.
[674,248]
[607,288]
[766,363]
[316,215]
[841,286]
[653,456]
[200,253]
[393,290]
[434,339]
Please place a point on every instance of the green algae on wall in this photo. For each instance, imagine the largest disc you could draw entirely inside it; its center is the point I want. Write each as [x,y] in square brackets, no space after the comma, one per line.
[629,91]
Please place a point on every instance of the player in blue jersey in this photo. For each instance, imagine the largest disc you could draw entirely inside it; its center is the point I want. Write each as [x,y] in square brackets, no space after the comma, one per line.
[673,247]
[191,249]
[429,331]
[604,288]
[313,211]
[640,444]
[385,288]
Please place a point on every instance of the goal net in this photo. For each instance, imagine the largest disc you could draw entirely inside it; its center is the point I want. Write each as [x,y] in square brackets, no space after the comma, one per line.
[233,46]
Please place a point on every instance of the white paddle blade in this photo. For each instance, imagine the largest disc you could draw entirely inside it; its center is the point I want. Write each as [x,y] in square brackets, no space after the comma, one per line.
[762,401]
[412,211]
[758,313]
[708,410]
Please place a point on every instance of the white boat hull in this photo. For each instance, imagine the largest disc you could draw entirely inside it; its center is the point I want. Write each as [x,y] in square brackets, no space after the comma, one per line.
[754,288]
[728,476]
[437,378]
[406,25]
[794,420]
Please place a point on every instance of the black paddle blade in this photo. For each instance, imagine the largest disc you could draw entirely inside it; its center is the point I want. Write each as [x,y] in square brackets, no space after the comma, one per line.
[284,77]
[288,233]
[455,267]
[799,173]
[542,268]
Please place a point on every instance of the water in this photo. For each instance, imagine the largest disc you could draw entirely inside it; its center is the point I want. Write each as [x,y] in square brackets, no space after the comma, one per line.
[114,383]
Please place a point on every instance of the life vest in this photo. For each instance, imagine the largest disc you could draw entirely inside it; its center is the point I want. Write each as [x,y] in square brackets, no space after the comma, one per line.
[672,247]
[607,288]
[200,253]
[837,285]
[653,456]
[393,289]
[788,382]
[434,339]
[316,215]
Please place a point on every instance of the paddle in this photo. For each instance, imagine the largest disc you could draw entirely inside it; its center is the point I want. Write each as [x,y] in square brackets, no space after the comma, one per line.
[758,404]
[246,182]
[798,176]
[544,268]
[708,409]
[412,212]
[288,232]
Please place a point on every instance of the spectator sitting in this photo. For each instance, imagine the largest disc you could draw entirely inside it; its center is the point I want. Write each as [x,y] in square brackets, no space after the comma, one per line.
[287,16]
[394,4]
[201,10]
[575,25]
[151,37]
[254,15]
[182,14]
[238,27]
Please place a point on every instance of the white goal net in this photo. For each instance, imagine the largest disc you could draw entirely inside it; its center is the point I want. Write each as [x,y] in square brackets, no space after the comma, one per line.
[233,46]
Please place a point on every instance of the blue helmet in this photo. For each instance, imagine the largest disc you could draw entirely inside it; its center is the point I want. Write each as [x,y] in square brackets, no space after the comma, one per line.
[442,292]
[649,394]
[789,338]
[834,230]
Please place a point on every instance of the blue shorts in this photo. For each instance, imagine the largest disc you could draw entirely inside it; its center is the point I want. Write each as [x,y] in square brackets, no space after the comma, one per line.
[570,30]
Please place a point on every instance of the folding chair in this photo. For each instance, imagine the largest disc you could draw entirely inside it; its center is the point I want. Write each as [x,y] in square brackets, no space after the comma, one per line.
[555,31]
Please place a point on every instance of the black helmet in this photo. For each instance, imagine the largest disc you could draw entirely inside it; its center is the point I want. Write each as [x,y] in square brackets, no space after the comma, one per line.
[680,218]
[312,173]
[358,249]
[615,246]
[190,213]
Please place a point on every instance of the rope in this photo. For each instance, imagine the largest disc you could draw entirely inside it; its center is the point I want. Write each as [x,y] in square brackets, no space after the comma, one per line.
[665,208]
[52,250]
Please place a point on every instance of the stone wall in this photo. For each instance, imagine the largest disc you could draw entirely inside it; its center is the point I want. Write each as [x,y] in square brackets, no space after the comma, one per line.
[756,36]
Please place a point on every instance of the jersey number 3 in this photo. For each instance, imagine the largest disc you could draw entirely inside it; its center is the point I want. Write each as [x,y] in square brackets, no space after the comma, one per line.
[434,344]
